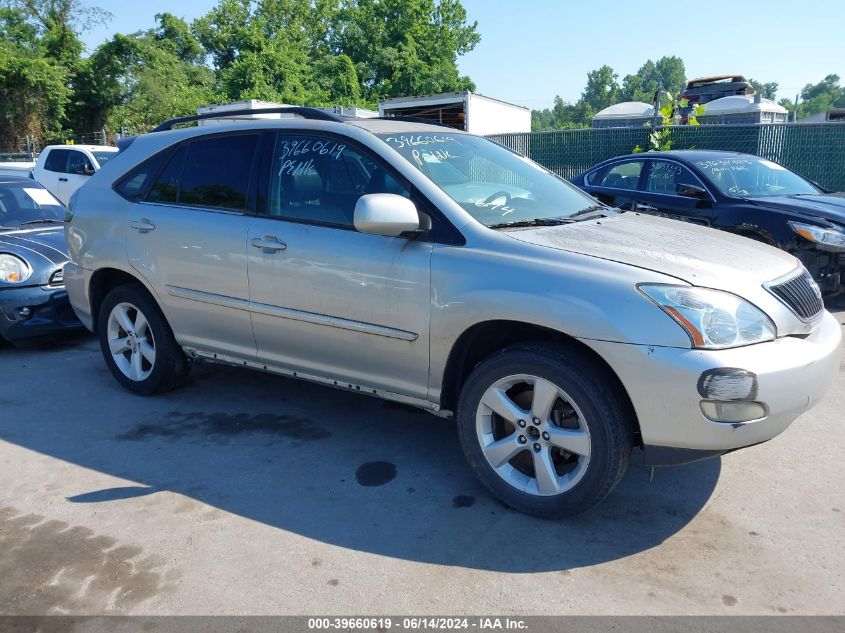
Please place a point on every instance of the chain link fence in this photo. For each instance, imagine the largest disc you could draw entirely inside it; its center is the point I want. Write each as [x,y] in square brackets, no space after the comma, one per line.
[27,148]
[816,151]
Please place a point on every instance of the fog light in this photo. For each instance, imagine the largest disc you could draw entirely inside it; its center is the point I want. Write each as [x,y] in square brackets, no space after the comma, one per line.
[25,313]
[733,412]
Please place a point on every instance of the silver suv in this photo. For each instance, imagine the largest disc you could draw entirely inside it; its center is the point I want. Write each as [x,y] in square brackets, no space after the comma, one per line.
[423,265]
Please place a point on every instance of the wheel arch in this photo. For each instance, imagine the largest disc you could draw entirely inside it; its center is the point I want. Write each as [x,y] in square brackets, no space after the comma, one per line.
[482,339]
[106,279]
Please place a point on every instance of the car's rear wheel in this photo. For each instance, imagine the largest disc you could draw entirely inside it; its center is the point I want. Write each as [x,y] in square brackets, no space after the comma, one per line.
[545,429]
[138,344]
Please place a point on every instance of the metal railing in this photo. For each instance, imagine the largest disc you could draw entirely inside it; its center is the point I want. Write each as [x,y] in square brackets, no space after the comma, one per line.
[816,151]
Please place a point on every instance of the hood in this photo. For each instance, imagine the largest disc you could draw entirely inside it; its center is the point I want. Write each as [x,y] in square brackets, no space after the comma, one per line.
[698,255]
[43,248]
[829,207]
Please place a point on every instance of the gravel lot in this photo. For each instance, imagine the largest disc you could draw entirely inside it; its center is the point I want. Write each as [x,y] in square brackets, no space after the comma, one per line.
[247,493]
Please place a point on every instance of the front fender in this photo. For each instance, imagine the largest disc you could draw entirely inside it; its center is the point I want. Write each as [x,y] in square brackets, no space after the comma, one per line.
[577,295]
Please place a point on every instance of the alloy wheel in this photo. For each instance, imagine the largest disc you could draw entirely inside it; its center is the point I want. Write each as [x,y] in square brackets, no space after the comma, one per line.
[533,435]
[131,341]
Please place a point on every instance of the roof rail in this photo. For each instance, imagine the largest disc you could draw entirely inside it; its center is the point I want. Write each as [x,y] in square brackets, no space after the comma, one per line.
[415,119]
[306,113]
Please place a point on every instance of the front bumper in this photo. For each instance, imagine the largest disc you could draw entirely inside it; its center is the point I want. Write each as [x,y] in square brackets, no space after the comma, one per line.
[793,373]
[48,310]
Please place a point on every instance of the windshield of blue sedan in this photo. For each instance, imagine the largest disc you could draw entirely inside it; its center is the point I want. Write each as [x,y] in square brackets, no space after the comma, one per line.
[749,176]
[494,185]
[24,203]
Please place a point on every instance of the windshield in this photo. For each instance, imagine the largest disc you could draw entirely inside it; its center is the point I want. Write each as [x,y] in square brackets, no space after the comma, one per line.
[102,157]
[494,185]
[23,203]
[749,176]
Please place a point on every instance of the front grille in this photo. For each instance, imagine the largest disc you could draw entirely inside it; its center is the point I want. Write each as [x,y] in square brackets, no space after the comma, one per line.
[801,294]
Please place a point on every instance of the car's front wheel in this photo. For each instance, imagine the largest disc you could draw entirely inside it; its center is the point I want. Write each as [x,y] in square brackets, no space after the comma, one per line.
[137,343]
[545,429]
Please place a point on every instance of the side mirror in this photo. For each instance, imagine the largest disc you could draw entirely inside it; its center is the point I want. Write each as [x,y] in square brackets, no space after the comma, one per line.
[691,191]
[386,214]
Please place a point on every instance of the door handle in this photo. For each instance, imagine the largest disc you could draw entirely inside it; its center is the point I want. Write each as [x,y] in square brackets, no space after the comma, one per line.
[142,226]
[268,244]
[62,179]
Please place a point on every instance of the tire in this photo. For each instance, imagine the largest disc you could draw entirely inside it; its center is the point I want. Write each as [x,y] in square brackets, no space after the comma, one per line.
[578,407]
[137,343]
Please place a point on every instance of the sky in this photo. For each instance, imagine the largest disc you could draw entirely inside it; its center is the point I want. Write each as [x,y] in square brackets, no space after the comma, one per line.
[532,50]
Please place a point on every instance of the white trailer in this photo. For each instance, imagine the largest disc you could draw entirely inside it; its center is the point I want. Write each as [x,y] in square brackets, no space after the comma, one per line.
[468,111]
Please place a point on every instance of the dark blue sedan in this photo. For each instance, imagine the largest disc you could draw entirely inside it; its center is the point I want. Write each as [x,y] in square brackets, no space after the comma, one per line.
[33,252]
[740,193]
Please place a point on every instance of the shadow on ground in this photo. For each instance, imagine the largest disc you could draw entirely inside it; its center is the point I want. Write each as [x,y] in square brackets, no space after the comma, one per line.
[333,466]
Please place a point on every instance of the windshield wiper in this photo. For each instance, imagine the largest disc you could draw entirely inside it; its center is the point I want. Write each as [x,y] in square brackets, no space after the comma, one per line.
[593,211]
[533,222]
[43,221]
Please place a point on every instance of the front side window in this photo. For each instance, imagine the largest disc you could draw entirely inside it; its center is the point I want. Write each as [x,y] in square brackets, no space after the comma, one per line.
[79,164]
[665,176]
[493,184]
[751,176]
[320,179]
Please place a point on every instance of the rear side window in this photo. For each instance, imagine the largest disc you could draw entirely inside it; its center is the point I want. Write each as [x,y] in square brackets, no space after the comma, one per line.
[622,176]
[217,172]
[57,160]
[134,184]
[166,186]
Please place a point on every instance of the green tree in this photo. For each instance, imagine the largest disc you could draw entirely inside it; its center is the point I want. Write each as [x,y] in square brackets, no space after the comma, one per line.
[405,47]
[602,89]
[33,77]
[767,90]
[668,74]
[822,96]
[135,81]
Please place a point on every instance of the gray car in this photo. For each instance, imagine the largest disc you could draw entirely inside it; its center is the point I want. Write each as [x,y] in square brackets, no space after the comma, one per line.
[422,265]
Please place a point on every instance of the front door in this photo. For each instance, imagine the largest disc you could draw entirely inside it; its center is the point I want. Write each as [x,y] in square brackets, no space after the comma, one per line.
[326,300]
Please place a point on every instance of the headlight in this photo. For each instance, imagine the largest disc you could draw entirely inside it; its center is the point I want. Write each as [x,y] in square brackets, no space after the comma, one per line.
[820,235]
[713,319]
[13,270]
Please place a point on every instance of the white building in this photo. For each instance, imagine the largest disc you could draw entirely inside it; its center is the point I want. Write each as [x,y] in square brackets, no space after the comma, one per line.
[473,113]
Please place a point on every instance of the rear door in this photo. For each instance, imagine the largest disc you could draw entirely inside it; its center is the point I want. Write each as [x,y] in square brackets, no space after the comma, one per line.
[187,238]
[662,185]
[54,168]
[326,300]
